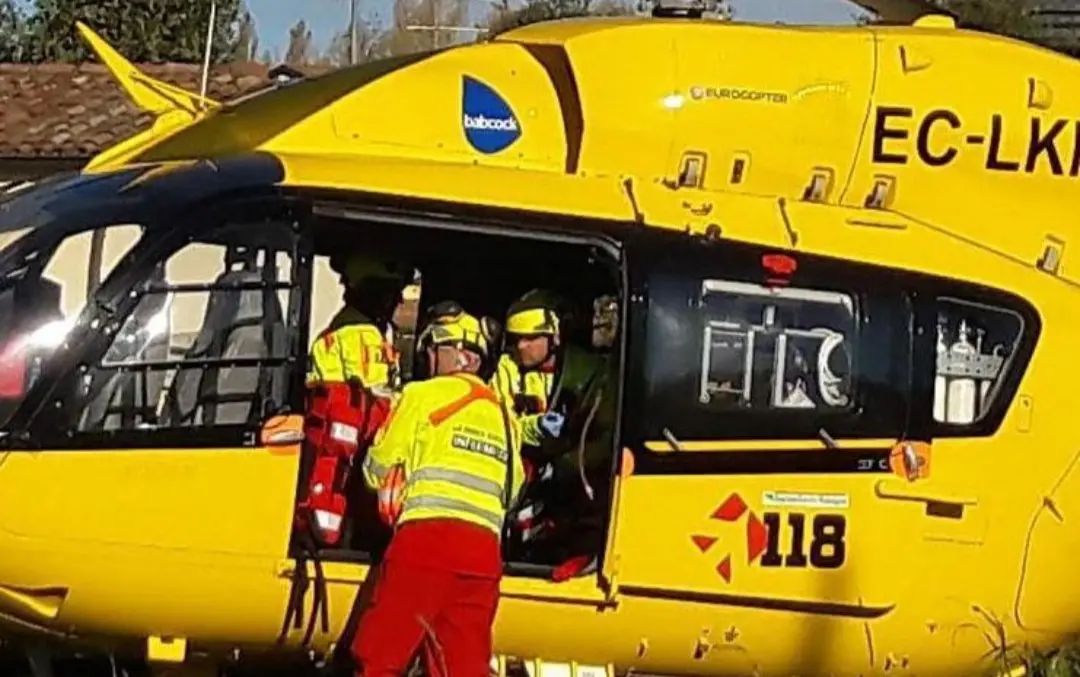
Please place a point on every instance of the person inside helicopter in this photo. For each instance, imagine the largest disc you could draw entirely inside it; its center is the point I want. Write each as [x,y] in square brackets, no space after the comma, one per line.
[561,518]
[487,274]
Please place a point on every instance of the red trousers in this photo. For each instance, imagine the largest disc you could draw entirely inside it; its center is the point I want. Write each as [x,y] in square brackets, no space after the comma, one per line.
[422,598]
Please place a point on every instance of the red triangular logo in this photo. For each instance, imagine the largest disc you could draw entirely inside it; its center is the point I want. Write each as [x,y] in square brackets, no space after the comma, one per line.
[757,537]
[703,543]
[731,509]
[724,569]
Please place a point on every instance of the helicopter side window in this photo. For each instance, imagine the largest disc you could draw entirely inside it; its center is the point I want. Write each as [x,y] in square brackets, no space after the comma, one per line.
[775,348]
[974,344]
[742,358]
[206,343]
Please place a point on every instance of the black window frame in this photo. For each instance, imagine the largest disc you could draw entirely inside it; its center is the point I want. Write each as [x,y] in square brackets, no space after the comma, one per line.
[119,295]
[696,259]
[929,291]
[751,290]
[426,215]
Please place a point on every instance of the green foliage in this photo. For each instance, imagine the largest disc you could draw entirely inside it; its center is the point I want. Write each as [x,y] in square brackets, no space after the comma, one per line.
[1004,17]
[371,44]
[1014,18]
[503,18]
[299,51]
[152,31]
[446,13]
[1064,662]
[12,31]
[246,46]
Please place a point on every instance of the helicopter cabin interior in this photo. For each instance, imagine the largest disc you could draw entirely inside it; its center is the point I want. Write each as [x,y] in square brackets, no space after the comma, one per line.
[484,268]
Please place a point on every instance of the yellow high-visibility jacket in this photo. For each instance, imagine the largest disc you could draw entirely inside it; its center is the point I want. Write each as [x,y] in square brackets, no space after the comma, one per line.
[458,444]
[513,384]
[581,371]
[352,347]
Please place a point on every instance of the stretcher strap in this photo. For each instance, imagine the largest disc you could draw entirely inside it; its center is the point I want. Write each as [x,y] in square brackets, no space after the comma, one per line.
[320,601]
[294,608]
[320,608]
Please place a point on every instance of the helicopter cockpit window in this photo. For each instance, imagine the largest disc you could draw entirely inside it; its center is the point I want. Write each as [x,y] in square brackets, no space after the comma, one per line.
[44,284]
[206,344]
[974,344]
[775,348]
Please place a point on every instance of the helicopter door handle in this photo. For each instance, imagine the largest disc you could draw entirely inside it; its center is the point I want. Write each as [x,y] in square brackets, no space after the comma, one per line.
[896,490]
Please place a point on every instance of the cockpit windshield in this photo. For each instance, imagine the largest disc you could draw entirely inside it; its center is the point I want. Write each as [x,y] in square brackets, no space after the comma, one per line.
[61,238]
[58,240]
[44,285]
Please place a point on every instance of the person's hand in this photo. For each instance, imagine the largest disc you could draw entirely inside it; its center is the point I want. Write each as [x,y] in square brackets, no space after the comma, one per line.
[551,424]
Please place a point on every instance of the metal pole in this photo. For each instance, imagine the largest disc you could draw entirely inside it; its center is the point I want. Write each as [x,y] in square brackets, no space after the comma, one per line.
[352,31]
[435,24]
[209,46]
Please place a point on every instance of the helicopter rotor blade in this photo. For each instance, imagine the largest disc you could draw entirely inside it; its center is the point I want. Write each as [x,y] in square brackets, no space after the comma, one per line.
[901,11]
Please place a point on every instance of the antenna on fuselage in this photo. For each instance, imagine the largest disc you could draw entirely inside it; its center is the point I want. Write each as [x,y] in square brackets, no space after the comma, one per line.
[209,46]
[716,10]
[678,9]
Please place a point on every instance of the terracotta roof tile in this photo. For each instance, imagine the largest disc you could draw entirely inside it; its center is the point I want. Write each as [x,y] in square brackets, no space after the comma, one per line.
[74,111]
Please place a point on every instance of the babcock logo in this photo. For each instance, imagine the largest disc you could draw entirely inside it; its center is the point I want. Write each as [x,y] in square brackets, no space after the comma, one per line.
[490,126]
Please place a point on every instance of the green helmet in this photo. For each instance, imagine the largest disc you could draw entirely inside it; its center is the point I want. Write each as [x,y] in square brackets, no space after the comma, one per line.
[356,268]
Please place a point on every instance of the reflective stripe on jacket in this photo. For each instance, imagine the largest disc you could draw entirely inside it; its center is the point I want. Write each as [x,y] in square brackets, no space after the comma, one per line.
[450,433]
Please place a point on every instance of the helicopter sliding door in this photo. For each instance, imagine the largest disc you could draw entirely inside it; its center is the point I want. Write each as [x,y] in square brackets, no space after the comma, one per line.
[772,391]
[165,454]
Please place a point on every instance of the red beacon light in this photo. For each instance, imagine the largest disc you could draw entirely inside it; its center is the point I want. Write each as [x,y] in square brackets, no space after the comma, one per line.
[778,268]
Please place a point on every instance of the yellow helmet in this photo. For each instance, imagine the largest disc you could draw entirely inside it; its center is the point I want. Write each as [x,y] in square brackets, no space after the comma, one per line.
[533,314]
[451,325]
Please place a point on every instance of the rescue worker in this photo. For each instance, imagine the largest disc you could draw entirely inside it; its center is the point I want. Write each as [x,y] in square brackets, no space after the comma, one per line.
[353,370]
[446,466]
[528,375]
[590,464]
[525,374]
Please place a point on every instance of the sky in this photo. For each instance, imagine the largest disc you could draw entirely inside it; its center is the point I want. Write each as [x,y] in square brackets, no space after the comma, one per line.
[273,18]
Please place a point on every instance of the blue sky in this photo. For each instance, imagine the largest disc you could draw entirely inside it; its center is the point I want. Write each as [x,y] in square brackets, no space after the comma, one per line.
[325,17]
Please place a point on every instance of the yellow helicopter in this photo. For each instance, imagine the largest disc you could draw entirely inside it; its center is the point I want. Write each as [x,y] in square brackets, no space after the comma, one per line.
[844,312]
